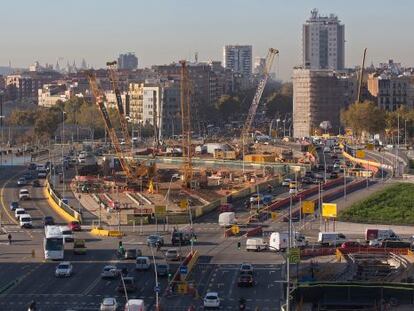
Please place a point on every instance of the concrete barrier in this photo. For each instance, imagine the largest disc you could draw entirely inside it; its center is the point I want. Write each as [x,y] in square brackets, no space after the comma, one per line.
[55,206]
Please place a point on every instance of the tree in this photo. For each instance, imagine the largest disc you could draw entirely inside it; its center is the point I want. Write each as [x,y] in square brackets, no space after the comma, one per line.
[47,122]
[278,104]
[72,108]
[227,106]
[366,116]
[21,117]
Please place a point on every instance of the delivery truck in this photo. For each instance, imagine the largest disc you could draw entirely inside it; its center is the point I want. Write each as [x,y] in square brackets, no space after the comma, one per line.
[279,241]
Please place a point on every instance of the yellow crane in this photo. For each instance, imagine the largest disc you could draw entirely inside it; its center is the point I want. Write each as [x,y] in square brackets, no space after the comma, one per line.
[132,172]
[113,75]
[256,99]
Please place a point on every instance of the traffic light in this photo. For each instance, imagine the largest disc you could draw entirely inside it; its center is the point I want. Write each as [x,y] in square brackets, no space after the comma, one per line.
[238,245]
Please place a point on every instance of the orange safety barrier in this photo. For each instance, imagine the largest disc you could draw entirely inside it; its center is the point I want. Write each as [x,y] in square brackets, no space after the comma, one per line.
[322,251]
[374,250]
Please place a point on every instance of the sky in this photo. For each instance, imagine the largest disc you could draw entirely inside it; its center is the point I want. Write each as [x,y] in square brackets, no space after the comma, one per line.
[163,31]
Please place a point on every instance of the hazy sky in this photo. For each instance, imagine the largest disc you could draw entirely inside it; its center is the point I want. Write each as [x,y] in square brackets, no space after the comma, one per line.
[162,31]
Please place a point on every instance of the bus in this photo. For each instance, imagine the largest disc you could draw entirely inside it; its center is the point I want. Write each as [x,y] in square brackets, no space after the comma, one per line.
[53,244]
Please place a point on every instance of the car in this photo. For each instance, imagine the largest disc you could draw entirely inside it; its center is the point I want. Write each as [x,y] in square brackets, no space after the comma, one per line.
[24,194]
[326,149]
[36,183]
[48,221]
[129,282]
[245,280]
[132,253]
[32,166]
[153,239]
[66,233]
[172,254]
[110,272]
[21,181]
[109,304]
[74,225]
[246,268]
[25,221]
[42,173]
[306,180]
[286,182]
[163,269]
[211,300]
[64,269]
[18,212]
[79,247]
[14,205]
[333,175]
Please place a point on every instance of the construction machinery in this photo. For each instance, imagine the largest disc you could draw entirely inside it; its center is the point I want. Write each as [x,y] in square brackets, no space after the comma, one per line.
[256,99]
[113,76]
[187,168]
[132,171]
[361,76]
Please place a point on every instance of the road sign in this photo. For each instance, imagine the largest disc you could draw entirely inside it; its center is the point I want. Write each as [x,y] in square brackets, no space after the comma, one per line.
[184,204]
[273,215]
[160,210]
[157,289]
[235,229]
[183,270]
[182,288]
[294,255]
[329,210]
[308,207]
[360,154]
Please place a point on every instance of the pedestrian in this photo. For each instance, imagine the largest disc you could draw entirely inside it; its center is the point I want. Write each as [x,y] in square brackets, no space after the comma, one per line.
[9,237]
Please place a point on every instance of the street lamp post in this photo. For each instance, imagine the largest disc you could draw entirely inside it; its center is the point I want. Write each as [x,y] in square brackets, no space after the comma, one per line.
[324,165]
[157,302]
[345,183]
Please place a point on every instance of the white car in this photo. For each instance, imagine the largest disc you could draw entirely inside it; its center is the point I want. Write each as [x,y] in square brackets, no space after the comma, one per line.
[286,182]
[326,149]
[211,300]
[67,233]
[110,272]
[24,194]
[25,221]
[109,304]
[64,269]
[19,212]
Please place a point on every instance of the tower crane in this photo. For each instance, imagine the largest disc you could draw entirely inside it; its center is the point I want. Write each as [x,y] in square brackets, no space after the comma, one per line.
[100,102]
[256,99]
[112,69]
[186,124]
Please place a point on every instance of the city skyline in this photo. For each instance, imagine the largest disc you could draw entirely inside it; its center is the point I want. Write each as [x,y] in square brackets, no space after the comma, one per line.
[86,30]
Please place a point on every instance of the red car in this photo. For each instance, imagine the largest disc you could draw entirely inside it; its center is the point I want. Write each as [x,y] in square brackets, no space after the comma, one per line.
[75,225]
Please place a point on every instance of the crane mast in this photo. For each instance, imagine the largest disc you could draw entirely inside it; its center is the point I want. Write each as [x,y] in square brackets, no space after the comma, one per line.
[186,124]
[100,102]
[256,99]
[112,69]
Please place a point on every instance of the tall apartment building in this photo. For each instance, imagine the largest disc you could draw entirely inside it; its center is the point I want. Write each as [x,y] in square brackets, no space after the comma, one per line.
[50,94]
[156,102]
[319,95]
[22,86]
[238,58]
[127,61]
[323,42]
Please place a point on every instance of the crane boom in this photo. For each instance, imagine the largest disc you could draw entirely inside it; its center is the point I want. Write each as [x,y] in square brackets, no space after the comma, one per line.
[256,99]
[120,108]
[100,102]
[185,123]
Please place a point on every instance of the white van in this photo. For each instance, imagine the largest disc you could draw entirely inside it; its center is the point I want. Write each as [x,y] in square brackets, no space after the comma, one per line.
[142,263]
[19,212]
[66,233]
[256,244]
[25,221]
[331,238]
[227,219]
[279,241]
[135,305]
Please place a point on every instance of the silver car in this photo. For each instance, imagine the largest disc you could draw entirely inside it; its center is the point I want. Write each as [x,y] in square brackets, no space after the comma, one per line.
[109,304]
[109,272]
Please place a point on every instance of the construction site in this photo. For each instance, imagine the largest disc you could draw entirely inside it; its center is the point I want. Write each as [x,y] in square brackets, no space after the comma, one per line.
[177,179]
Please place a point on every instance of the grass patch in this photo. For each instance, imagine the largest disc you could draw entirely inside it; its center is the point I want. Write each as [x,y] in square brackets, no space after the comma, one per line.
[391,206]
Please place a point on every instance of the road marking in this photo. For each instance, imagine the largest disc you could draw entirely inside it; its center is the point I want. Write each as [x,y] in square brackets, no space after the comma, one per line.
[90,287]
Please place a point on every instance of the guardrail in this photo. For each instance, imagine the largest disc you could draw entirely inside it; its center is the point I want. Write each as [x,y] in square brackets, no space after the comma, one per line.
[64,210]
